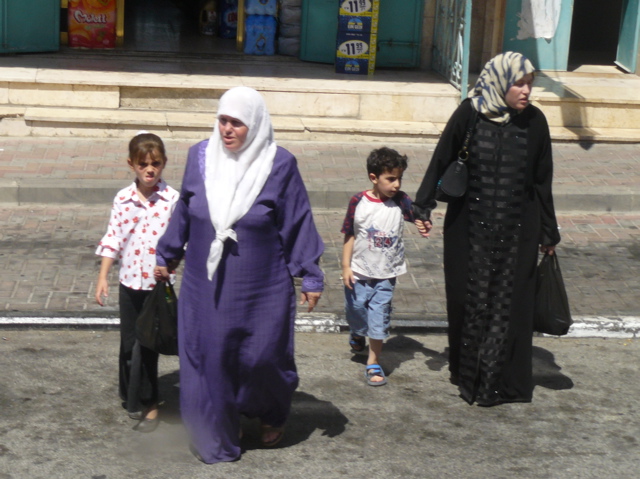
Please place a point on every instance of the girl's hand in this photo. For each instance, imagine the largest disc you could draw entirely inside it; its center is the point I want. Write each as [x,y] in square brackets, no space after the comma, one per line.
[311,298]
[161,273]
[102,290]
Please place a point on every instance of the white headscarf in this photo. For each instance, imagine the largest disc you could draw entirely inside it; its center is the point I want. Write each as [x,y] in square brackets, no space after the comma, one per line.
[233,180]
[498,76]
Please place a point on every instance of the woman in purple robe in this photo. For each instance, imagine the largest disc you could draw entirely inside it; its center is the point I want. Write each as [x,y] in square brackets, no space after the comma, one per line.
[245,219]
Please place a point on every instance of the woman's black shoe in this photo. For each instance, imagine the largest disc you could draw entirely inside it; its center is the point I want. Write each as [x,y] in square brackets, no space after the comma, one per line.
[147,425]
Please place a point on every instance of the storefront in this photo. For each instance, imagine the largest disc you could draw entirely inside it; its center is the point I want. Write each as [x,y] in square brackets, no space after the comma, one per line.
[563,34]
[452,37]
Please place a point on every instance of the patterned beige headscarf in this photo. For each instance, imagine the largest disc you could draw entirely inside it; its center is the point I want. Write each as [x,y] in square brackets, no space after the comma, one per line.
[498,75]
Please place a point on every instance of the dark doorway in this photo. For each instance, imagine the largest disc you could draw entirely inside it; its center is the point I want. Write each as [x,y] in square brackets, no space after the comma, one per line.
[170,26]
[595,30]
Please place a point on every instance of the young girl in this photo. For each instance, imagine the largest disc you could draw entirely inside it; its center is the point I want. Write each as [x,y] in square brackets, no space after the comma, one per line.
[139,216]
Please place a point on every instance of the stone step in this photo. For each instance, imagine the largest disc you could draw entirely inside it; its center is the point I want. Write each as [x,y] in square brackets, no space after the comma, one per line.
[403,106]
[123,123]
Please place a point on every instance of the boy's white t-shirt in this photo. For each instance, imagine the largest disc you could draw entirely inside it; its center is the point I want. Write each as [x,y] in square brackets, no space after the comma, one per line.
[378,226]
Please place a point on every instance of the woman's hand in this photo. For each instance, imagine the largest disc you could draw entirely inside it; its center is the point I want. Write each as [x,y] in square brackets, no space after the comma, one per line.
[161,273]
[548,249]
[311,298]
[424,226]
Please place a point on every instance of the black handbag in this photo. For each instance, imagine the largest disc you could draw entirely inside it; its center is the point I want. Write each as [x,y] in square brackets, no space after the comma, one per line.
[157,325]
[552,315]
[453,183]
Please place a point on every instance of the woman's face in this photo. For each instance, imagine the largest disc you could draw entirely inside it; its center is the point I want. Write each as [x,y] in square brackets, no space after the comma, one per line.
[517,96]
[233,132]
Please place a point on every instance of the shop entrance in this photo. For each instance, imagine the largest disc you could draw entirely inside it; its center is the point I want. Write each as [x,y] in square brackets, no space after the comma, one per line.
[594,33]
[171,26]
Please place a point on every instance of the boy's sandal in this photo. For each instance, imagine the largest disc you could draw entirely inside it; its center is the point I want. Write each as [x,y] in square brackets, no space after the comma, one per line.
[358,343]
[266,429]
[374,370]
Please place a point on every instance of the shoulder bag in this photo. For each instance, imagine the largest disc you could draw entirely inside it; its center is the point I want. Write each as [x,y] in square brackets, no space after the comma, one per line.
[453,183]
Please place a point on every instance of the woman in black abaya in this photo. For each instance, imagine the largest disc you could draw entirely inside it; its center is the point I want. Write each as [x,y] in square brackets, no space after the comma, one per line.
[492,234]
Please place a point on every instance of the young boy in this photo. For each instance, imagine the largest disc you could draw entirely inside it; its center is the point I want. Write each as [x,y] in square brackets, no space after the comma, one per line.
[373,255]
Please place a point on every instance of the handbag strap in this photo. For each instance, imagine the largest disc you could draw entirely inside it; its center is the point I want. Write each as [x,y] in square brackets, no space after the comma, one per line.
[463,154]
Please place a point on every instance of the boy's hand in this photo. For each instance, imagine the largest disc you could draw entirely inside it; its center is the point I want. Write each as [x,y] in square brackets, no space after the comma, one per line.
[348,278]
[102,290]
[311,298]
[424,227]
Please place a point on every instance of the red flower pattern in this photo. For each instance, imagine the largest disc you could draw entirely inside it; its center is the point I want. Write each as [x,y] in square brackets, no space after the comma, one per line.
[133,233]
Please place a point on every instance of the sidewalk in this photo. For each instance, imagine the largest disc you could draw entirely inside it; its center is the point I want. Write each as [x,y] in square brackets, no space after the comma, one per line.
[594,178]
[49,267]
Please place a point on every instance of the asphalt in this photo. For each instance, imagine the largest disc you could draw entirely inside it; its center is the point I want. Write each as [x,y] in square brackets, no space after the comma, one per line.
[60,416]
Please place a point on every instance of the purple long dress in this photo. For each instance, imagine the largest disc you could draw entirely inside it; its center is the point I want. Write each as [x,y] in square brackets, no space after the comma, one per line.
[236,331]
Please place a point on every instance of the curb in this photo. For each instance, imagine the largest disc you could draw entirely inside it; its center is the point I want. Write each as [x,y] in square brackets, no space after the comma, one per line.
[91,192]
[621,327]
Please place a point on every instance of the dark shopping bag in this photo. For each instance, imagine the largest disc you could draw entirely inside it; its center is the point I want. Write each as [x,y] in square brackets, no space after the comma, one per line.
[552,315]
[157,325]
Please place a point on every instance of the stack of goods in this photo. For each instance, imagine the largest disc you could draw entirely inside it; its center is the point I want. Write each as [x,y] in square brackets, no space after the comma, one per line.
[260,27]
[208,17]
[228,18]
[357,36]
[290,18]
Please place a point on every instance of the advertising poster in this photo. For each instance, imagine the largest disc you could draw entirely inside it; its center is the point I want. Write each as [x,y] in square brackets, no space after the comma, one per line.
[92,23]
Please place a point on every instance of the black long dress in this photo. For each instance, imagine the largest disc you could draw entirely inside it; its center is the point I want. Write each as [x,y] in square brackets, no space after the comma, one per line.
[491,240]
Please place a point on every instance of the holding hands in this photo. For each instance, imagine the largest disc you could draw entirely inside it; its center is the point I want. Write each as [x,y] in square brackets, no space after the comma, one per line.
[424,227]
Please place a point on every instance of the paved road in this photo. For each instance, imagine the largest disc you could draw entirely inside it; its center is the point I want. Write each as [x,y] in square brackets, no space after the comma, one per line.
[60,417]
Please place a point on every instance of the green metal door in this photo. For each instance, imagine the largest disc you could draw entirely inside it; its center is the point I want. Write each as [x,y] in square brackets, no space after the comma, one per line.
[540,30]
[399,33]
[628,39]
[29,26]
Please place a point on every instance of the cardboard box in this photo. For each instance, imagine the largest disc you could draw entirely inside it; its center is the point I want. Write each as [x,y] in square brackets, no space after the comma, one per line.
[353,66]
[355,24]
[357,7]
[357,38]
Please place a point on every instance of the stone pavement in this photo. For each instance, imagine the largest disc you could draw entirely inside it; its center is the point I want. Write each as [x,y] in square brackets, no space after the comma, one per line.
[590,177]
[49,267]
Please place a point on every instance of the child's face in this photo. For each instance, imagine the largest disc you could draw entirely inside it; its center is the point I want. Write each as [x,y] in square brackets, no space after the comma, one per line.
[387,184]
[148,171]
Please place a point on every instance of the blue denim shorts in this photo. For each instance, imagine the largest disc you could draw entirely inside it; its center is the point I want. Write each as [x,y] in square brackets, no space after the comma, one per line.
[368,307]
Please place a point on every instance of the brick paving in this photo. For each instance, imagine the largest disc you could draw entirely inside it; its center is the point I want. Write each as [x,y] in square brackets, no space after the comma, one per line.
[47,251]
[332,171]
[49,267]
